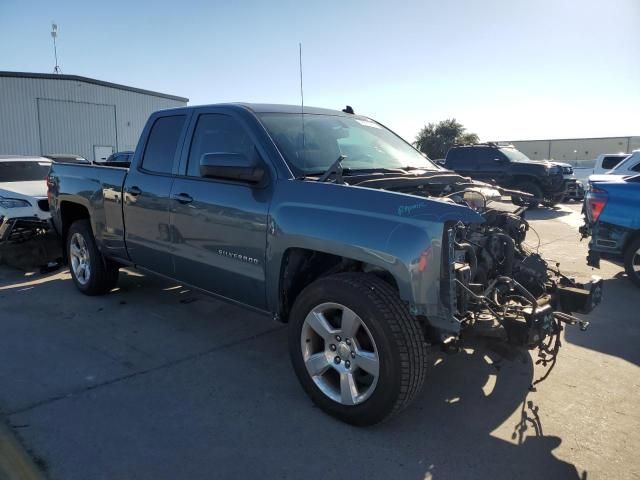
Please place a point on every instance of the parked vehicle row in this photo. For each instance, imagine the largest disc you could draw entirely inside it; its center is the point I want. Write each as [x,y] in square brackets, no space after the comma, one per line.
[330,222]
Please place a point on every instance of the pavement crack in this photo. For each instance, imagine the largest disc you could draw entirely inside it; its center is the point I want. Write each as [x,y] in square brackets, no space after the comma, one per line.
[162,366]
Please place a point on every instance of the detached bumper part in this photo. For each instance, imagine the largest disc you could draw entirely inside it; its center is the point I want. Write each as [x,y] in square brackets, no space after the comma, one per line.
[582,298]
[22,228]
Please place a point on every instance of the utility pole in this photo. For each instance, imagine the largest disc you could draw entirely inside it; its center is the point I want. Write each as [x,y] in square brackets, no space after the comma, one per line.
[54,34]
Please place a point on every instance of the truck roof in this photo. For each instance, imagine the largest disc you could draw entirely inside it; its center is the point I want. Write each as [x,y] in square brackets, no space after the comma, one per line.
[272,108]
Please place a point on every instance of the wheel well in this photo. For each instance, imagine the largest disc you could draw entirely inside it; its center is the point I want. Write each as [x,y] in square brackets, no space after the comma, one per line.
[69,213]
[301,267]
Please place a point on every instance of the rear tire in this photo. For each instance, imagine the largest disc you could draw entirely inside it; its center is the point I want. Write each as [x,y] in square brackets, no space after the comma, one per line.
[91,272]
[381,361]
[632,261]
[533,189]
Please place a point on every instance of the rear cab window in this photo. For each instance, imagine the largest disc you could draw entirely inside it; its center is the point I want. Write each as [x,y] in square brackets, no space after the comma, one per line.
[162,144]
[610,162]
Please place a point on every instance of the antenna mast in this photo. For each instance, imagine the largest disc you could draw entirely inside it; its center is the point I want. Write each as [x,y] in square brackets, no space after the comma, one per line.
[302,104]
[54,34]
[301,89]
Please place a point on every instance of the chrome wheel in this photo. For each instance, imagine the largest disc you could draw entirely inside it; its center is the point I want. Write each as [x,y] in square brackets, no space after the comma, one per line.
[79,257]
[339,353]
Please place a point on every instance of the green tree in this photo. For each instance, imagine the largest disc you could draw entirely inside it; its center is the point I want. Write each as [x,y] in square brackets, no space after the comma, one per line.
[435,139]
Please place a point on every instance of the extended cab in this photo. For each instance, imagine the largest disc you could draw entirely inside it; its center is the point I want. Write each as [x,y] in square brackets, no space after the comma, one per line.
[510,168]
[325,220]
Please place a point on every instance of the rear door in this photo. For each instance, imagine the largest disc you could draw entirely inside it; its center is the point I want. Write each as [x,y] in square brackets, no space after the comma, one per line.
[461,160]
[146,192]
[220,226]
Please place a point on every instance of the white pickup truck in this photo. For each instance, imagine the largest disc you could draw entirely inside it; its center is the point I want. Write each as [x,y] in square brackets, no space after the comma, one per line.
[627,166]
[604,164]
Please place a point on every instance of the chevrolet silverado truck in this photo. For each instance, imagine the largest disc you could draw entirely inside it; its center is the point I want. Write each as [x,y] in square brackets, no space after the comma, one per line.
[325,220]
[510,168]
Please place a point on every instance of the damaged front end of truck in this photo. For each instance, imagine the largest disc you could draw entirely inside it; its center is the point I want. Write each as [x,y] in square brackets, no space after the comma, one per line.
[499,285]
[491,281]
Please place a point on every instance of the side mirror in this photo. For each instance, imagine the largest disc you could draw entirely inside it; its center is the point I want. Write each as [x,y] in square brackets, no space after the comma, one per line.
[231,166]
[500,160]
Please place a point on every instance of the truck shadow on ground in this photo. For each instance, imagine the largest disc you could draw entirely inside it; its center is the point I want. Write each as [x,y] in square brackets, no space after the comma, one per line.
[614,329]
[467,397]
[238,411]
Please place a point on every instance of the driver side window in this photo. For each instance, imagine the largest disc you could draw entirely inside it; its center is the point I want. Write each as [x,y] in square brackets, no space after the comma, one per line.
[217,133]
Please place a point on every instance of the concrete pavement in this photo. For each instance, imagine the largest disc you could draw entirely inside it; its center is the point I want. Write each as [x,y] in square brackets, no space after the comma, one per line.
[155,381]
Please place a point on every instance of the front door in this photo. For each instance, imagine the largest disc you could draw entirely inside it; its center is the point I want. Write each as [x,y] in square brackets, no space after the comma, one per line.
[220,227]
[146,194]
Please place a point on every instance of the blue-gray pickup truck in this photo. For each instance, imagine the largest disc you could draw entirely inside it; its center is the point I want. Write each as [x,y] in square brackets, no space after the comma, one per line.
[327,221]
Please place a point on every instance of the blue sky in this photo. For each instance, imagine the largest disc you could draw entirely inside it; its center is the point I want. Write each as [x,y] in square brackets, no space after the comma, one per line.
[515,69]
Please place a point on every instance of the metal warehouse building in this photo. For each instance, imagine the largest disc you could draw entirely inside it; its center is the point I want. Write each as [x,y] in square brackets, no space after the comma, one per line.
[49,113]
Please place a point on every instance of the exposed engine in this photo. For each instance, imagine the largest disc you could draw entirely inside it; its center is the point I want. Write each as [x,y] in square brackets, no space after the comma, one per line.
[500,284]
[503,284]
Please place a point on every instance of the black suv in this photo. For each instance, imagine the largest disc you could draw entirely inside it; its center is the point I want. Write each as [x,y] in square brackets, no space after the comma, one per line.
[118,159]
[509,168]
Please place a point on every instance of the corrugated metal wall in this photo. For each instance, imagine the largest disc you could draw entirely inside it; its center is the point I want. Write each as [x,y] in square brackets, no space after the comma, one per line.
[70,116]
[84,125]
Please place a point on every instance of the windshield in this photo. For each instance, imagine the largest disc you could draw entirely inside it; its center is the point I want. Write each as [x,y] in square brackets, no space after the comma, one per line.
[366,144]
[23,171]
[626,162]
[515,155]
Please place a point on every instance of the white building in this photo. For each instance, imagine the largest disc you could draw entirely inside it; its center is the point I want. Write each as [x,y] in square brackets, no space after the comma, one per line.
[575,149]
[48,113]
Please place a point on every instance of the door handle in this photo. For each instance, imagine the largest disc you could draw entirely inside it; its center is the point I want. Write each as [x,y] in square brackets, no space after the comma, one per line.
[182,198]
[134,191]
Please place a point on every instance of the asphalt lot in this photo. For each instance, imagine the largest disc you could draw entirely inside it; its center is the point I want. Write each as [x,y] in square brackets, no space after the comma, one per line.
[154,381]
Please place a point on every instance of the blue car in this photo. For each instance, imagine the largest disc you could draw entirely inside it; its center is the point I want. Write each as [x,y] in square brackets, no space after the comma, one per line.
[612,211]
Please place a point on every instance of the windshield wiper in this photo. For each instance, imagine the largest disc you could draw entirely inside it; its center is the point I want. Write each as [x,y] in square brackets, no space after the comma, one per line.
[335,167]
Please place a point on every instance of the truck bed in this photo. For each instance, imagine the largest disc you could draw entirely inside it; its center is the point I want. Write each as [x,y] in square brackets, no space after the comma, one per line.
[99,190]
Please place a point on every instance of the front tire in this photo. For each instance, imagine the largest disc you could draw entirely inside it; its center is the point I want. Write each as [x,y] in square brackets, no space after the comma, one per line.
[632,261]
[357,351]
[91,272]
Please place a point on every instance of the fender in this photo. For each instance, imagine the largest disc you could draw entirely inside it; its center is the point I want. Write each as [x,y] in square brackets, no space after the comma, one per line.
[396,232]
